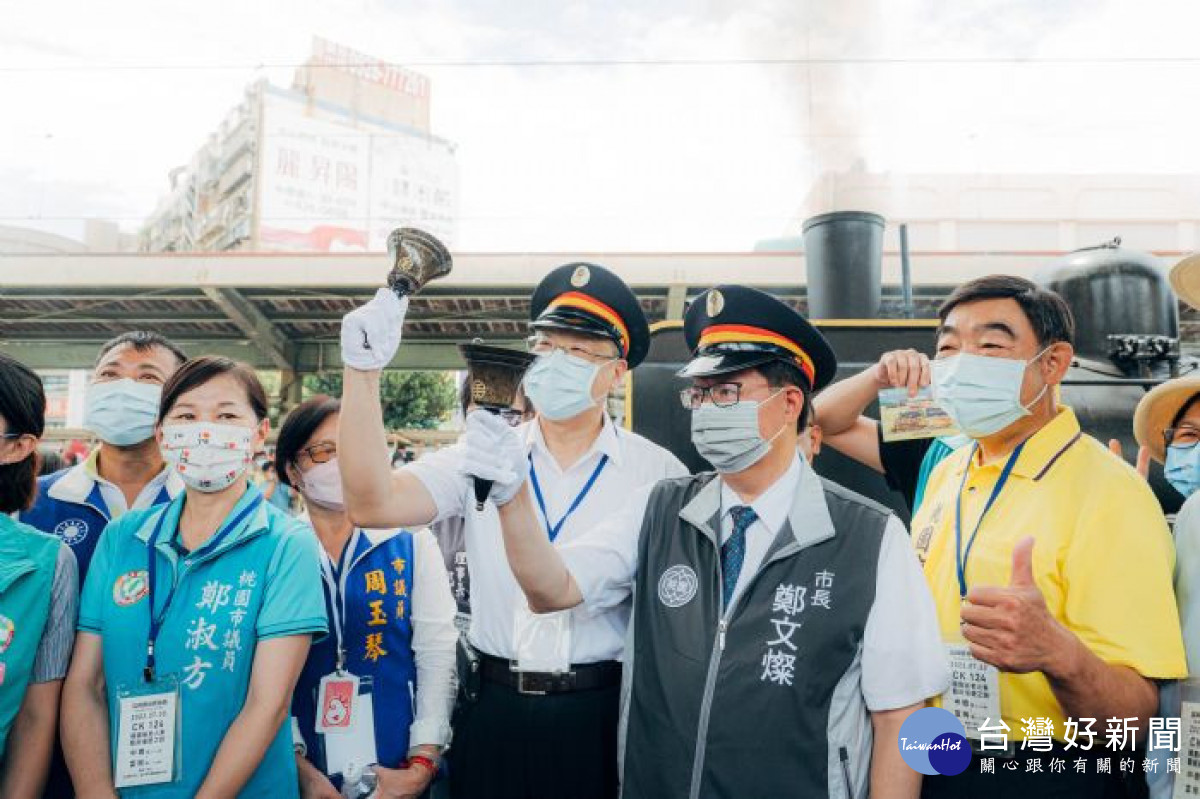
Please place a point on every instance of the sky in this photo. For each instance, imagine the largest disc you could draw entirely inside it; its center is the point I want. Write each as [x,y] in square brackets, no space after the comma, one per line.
[657,125]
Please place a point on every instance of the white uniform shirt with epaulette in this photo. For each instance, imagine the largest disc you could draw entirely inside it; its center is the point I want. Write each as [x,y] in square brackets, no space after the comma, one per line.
[634,463]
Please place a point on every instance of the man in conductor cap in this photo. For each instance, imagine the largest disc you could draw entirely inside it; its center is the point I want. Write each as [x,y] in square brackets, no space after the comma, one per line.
[781,630]
[541,723]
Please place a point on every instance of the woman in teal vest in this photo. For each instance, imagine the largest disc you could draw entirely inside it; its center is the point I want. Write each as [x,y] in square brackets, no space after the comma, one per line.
[38,595]
[196,616]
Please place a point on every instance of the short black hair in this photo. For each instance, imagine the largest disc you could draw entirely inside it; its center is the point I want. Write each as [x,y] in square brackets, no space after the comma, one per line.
[1047,312]
[198,371]
[23,407]
[298,428]
[142,341]
[781,373]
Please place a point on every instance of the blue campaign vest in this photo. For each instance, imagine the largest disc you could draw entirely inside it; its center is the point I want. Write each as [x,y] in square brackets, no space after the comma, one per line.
[78,521]
[378,578]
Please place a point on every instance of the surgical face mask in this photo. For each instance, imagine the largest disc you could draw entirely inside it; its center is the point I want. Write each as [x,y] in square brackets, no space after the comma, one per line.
[1182,469]
[560,385]
[322,485]
[122,412]
[982,395]
[208,457]
[728,438]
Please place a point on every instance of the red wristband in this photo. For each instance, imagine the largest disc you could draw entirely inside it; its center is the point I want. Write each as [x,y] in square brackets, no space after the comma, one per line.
[421,760]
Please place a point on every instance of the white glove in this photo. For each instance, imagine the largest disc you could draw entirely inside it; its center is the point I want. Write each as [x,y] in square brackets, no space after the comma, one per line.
[493,451]
[371,334]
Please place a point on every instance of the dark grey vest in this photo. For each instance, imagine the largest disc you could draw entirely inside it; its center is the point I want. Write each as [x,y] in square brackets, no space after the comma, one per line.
[741,706]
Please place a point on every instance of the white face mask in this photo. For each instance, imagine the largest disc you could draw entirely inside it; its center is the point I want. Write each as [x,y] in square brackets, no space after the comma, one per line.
[560,385]
[982,394]
[122,412]
[208,457]
[728,438]
[322,485]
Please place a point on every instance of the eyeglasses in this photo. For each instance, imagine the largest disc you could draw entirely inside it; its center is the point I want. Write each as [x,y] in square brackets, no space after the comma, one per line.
[511,416]
[540,345]
[11,436]
[722,395]
[1182,437]
[321,453]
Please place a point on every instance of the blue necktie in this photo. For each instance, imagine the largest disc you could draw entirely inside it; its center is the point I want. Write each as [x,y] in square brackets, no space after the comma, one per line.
[733,551]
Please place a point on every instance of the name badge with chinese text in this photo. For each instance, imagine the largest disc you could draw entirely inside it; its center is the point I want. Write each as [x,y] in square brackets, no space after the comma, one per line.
[542,640]
[974,692]
[147,734]
[1187,782]
[346,722]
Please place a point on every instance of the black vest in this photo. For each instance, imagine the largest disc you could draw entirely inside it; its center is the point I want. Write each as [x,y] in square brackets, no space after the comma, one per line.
[766,701]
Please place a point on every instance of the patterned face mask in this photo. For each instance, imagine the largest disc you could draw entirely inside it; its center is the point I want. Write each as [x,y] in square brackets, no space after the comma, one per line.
[208,457]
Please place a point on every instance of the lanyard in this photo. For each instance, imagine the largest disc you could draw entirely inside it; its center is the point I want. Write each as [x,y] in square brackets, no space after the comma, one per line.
[156,620]
[554,530]
[336,583]
[960,557]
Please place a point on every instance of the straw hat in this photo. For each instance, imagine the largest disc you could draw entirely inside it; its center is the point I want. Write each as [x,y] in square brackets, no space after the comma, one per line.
[1185,279]
[1157,410]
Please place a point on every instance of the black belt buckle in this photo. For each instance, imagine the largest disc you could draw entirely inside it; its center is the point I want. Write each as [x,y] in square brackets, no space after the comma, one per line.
[540,683]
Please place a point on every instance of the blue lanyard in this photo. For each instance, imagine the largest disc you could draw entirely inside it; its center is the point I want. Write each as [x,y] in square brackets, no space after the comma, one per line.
[335,575]
[156,620]
[960,557]
[554,530]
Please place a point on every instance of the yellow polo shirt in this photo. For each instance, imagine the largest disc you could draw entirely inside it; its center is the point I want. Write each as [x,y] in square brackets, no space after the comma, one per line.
[1103,560]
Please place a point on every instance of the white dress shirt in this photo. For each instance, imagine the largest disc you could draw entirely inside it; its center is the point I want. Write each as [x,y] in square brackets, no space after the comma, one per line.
[496,598]
[114,497]
[771,508]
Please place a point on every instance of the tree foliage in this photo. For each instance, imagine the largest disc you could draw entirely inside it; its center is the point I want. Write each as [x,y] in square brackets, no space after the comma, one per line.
[411,399]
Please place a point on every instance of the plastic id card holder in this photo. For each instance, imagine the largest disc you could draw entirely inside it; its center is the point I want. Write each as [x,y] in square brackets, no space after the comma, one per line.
[149,748]
[542,640]
[1187,782]
[349,736]
[974,692]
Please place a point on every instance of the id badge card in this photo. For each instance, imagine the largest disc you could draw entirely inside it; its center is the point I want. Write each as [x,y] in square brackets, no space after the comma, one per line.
[1187,781]
[974,693]
[542,640]
[346,722]
[147,733]
[337,695]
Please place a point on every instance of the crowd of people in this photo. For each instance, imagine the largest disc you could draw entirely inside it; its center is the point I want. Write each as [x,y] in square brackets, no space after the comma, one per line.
[607,623]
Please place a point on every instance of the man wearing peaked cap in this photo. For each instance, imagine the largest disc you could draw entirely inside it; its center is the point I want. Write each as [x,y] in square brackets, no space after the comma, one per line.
[731,328]
[539,717]
[777,619]
[589,299]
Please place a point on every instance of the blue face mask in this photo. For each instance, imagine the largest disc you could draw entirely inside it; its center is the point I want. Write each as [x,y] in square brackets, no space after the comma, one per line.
[1182,469]
[981,394]
[560,385]
[122,412]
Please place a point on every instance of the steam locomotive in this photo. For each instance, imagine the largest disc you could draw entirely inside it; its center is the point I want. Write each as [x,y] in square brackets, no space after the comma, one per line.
[1127,341]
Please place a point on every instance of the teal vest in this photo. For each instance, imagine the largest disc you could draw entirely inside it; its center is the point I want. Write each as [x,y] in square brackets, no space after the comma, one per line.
[27,562]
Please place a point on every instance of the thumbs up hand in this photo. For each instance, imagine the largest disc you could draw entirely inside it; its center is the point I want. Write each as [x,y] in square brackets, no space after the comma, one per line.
[1010,627]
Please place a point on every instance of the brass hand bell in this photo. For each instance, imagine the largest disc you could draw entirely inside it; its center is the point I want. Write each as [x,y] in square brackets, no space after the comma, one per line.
[417,258]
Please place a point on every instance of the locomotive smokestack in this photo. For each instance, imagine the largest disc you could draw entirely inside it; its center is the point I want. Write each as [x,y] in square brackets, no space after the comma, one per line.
[843,254]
